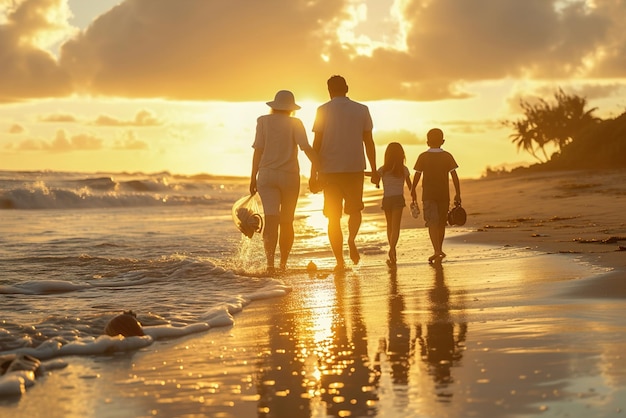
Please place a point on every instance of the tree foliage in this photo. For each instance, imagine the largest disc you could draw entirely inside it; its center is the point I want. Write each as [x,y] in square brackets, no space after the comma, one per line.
[545,123]
[601,145]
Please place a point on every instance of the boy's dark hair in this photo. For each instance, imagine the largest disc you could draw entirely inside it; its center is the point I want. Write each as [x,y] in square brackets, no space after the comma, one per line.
[337,84]
[434,137]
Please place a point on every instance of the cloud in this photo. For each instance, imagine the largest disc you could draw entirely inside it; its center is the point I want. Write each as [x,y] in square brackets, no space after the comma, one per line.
[402,136]
[188,49]
[142,118]
[472,126]
[130,142]
[30,145]
[86,142]
[451,42]
[16,128]
[591,91]
[63,142]
[245,50]
[28,69]
[146,118]
[222,50]
[596,90]
[59,117]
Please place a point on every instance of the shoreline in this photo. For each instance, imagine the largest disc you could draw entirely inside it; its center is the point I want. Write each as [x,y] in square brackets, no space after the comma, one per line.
[578,213]
[483,334]
[572,212]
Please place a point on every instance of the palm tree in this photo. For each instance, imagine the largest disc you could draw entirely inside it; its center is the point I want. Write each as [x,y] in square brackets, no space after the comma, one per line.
[570,117]
[544,123]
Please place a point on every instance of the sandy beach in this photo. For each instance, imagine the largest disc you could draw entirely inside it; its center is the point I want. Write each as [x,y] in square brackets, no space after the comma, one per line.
[578,213]
[523,318]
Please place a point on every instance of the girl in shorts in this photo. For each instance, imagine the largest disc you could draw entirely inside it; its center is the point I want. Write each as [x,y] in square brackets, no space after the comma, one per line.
[394,174]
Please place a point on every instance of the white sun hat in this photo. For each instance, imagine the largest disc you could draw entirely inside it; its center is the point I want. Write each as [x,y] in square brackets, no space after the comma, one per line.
[283,100]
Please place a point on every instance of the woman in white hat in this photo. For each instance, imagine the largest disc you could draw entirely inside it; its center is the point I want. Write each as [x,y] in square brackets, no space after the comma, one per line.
[276,172]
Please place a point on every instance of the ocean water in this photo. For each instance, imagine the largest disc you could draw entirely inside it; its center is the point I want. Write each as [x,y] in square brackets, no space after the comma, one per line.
[78,249]
[495,331]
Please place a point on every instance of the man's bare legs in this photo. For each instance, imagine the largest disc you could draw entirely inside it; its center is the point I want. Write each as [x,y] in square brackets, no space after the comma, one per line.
[354,223]
[335,236]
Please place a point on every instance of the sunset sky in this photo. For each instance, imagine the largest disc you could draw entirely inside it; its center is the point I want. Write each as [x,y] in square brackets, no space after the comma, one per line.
[177,85]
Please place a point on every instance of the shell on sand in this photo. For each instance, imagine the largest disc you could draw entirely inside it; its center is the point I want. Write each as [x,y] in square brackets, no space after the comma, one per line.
[125,324]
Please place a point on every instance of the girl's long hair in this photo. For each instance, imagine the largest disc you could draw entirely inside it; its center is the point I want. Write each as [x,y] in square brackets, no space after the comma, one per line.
[394,159]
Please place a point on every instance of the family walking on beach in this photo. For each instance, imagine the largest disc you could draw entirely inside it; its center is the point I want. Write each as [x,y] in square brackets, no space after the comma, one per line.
[342,142]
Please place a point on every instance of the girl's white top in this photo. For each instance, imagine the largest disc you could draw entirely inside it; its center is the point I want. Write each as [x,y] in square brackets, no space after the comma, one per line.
[393,185]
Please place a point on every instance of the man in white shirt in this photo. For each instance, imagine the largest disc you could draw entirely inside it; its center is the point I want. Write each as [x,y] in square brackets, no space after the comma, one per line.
[343,138]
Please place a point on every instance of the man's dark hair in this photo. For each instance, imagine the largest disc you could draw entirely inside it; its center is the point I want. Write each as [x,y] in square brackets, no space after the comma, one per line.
[337,84]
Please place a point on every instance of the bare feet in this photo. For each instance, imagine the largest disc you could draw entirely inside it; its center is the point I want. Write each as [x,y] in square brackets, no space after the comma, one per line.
[354,252]
[391,261]
[340,268]
[436,257]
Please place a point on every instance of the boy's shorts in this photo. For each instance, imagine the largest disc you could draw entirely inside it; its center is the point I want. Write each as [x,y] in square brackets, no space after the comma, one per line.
[393,202]
[340,187]
[436,212]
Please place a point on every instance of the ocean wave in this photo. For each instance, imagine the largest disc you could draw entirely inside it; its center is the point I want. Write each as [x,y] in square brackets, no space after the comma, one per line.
[165,286]
[66,274]
[46,342]
[80,199]
[42,190]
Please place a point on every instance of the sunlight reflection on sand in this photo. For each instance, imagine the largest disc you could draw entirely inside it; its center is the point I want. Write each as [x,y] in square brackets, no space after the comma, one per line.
[491,332]
[419,341]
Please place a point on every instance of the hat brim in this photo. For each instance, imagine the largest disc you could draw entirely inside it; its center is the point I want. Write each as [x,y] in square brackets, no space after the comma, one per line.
[281,106]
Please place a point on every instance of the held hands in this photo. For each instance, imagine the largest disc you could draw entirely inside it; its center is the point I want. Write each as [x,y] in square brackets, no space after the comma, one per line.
[314,184]
[253,189]
[376,179]
[457,200]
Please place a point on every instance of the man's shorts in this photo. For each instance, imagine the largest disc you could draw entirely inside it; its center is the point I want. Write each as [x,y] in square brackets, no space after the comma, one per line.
[436,212]
[279,192]
[393,202]
[340,187]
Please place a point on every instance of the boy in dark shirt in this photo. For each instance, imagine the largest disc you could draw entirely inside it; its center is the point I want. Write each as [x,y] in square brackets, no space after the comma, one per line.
[435,165]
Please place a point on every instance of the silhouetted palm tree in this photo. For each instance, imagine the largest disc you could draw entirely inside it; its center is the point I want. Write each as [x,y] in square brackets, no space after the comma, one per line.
[546,123]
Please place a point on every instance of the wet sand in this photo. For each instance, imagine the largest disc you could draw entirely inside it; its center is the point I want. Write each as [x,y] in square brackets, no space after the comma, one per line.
[580,213]
[523,318]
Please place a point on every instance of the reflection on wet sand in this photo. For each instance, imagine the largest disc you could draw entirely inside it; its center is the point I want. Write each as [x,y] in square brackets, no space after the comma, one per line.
[399,347]
[349,383]
[440,342]
[296,369]
[440,348]
[306,370]
[282,383]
